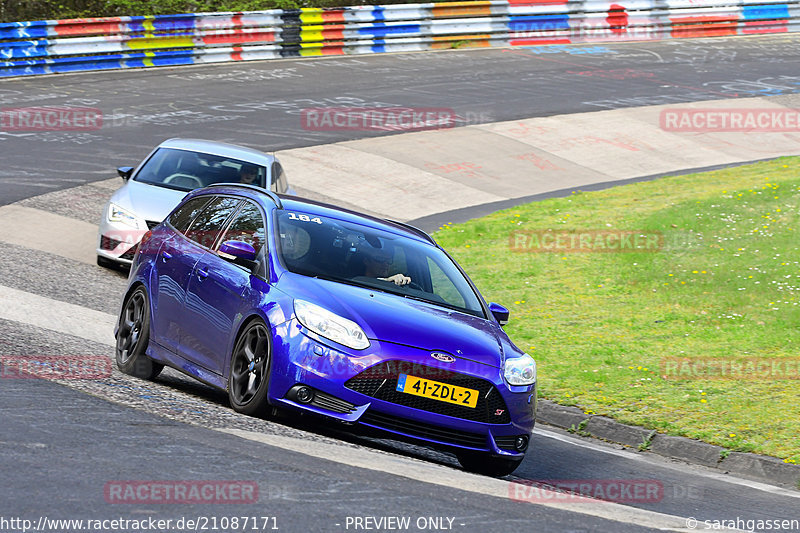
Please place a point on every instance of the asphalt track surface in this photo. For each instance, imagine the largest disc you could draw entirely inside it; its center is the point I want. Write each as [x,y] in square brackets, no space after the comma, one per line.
[260,105]
[62,444]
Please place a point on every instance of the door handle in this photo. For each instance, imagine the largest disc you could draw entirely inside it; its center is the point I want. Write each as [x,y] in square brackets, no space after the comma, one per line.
[166,256]
[201,274]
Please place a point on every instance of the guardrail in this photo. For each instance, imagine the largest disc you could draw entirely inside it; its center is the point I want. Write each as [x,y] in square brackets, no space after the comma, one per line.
[53,46]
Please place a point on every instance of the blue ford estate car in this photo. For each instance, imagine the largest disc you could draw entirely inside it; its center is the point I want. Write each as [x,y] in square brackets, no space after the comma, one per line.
[293,305]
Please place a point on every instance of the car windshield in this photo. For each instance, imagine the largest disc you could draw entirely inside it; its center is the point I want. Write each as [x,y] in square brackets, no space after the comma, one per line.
[184,170]
[355,254]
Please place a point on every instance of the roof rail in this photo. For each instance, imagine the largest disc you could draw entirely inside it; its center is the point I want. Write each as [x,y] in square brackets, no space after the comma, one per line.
[274,197]
[414,229]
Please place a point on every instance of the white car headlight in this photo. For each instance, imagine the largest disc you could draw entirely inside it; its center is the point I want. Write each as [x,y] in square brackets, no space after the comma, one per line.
[118,214]
[520,370]
[330,325]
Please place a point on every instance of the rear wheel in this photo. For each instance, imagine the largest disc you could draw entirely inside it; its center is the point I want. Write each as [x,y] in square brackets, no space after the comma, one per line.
[248,379]
[133,336]
[482,463]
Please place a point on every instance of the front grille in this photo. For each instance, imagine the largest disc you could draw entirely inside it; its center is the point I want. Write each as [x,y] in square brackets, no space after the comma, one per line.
[422,430]
[107,243]
[152,224]
[380,382]
[332,403]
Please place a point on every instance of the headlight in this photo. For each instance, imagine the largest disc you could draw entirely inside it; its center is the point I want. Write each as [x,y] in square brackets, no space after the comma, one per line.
[330,325]
[118,214]
[520,370]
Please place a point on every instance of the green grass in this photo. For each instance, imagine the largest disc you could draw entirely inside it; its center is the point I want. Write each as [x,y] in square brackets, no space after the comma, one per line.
[725,286]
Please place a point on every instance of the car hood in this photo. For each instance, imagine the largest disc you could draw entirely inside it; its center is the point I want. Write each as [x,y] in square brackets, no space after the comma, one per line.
[147,202]
[390,318]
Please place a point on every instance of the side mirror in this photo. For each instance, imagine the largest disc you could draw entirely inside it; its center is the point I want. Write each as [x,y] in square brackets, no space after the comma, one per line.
[238,252]
[500,313]
[125,172]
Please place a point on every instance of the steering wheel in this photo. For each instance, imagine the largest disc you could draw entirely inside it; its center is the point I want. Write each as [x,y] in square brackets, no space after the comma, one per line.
[169,179]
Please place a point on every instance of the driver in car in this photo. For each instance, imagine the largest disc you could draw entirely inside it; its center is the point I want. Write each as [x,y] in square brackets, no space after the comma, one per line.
[248,174]
[377,262]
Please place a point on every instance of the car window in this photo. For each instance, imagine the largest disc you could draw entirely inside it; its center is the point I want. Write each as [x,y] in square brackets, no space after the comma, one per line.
[209,223]
[185,170]
[183,215]
[246,173]
[361,255]
[443,286]
[247,226]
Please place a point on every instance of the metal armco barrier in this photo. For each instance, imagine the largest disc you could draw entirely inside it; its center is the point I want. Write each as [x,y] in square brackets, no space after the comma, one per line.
[52,46]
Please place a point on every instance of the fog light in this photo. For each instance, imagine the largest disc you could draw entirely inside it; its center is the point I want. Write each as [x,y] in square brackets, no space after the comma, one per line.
[521,443]
[304,394]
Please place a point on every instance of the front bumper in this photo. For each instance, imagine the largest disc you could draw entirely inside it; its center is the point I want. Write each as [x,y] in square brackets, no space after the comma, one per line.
[301,357]
[118,242]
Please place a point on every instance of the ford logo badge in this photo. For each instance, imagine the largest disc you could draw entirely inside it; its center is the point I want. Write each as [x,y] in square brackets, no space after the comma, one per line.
[443,357]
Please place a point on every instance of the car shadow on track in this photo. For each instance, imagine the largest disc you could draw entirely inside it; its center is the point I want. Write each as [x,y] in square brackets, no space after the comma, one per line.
[310,423]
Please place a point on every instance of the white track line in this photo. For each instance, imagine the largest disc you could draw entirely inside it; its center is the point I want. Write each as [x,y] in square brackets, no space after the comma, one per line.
[661,461]
[55,315]
[41,230]
[447,477]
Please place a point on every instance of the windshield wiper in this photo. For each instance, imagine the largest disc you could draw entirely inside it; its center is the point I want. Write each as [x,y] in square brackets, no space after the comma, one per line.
[347,282]
[164,185]
[418,298]
[337,280]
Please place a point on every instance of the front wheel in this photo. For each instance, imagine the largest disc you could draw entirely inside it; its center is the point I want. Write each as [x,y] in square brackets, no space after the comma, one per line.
[133,336]
[482,463]
[248,379]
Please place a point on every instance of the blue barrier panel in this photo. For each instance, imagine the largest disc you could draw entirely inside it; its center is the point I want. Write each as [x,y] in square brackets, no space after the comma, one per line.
[23,49]
[765,12]
[100,62]
[23,30]
[539,23]
[162,23]
[377,13]
[380,29]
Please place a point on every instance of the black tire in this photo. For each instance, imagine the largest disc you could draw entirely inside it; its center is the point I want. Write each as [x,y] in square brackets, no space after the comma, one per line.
[133,336]
[248,379]
[483,463]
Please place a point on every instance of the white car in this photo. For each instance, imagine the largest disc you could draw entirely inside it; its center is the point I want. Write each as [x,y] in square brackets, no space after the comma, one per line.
[160,182]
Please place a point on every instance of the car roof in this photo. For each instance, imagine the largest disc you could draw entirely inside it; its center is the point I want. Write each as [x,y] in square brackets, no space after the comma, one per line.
[221,149]
[346,215]
[313,207]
